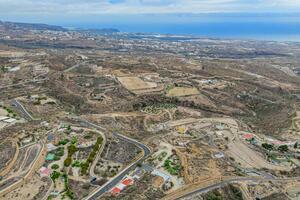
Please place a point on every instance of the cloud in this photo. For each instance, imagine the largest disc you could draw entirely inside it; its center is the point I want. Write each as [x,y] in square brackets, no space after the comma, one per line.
[88,7]
[116,1]
[157,2]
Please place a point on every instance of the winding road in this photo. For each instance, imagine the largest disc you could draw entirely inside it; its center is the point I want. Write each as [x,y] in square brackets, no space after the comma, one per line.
[111,183]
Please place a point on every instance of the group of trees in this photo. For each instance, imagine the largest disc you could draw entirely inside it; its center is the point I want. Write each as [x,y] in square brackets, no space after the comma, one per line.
[71,150]
[270,147]
[90,159]
[68,191]
[54,175]
[267,146]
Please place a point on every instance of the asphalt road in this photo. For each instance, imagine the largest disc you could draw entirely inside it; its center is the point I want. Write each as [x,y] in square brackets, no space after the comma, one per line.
[109,185]
[235,180]
[21,108]
[218,185]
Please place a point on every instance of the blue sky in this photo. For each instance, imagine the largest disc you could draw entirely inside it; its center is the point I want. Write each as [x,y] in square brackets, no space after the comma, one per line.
[120,13]
[98,7]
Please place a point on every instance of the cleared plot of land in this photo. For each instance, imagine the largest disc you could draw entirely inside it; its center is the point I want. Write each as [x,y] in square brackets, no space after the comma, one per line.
[11,54]
[182,91]
[135,83]
[249,158]
[7,152]
[3,112]
[121,151]
[19,160]
[8,182]
[80,189]
[35,188]
[32,154]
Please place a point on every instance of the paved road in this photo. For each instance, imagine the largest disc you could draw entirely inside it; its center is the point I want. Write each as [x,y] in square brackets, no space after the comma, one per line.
[235,180]
[21,108]
[218,185]
[110,184]
[146,149]
[89,124]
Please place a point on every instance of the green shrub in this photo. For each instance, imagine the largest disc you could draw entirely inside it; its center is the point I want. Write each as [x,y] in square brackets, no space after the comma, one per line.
[76,163]
[55,166]
[63,142]
[72,149]
[267,146]
[74,140]
[90,159]
[68,161]
[54,175]
[283,148]
[56,158]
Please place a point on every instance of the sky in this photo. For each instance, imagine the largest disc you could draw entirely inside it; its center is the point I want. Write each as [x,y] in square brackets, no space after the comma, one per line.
[98,7]
[156,15]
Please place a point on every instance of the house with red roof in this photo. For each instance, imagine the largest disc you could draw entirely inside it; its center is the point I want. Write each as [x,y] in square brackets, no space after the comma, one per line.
[121,186]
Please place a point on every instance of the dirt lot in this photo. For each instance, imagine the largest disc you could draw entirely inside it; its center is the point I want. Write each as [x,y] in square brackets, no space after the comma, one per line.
[80,189]
[35,189]
[121,151]
[3,112]
[135,83]
[182,91]
[7,152]
[12,54]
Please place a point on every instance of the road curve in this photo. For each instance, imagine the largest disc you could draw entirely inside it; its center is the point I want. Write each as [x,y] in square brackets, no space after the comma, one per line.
[233,180]
[110,184]
[218,185]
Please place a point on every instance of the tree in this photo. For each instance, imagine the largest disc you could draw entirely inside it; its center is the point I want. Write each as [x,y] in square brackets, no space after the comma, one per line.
[68,161]
[267,146]
[72,149]
[55,166]
[62,77]
[283,148]
[55,175]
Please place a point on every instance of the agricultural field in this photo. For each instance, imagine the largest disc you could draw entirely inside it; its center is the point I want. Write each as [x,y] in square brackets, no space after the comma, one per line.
[182,91]
[135,83]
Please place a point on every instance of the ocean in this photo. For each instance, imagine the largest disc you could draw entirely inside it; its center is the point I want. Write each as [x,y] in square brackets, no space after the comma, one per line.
[283,31]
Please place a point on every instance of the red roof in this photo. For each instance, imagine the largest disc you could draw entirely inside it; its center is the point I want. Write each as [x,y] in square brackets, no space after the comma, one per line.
[45,171]
[127,181]
[115,191]
[248,136]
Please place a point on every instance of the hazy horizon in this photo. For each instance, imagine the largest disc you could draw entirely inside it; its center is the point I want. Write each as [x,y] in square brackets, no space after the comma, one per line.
[251,19]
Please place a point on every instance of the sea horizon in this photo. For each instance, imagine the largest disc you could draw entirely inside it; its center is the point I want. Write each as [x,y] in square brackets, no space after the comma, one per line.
[266,31]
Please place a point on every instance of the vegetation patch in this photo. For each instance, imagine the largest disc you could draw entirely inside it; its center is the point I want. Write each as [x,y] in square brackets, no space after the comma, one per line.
[155,108]
[71,150]
[85,166]
[172,165]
